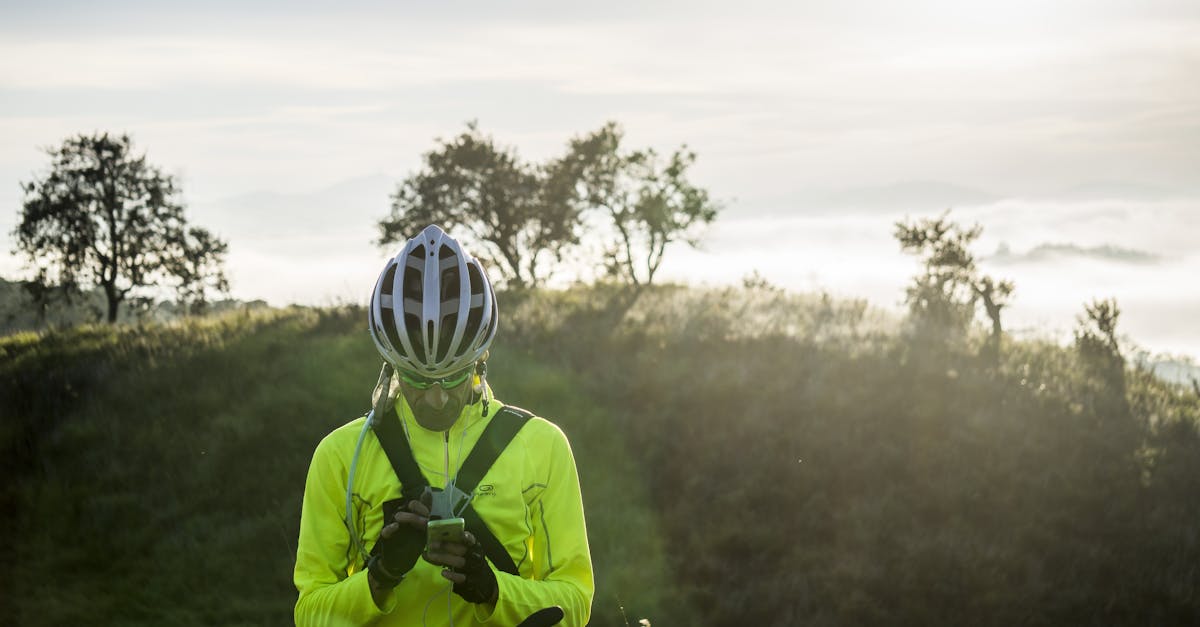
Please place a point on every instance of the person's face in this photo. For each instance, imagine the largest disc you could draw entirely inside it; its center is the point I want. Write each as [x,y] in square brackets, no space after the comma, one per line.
[438,405]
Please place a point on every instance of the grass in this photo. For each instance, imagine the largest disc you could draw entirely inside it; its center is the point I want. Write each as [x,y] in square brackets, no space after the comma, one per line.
[168,473]
[746,457]
[167,489]
[626,537]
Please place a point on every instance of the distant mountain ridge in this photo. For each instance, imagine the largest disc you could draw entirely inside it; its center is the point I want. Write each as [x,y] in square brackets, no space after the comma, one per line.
[933,196]
[915,196]
[353,204]
[1048,251]
[1115,190]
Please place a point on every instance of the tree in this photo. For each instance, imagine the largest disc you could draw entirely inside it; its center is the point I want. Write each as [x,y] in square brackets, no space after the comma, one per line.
[199,269]
[41,295]
[1097,344]
[524,214]
[519,213]
[104,217]
[942,299]
[649,201]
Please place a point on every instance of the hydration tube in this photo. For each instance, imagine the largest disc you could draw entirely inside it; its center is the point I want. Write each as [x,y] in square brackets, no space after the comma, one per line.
[382,400]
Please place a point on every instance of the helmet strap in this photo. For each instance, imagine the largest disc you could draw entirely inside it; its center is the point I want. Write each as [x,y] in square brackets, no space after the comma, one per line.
[381,396]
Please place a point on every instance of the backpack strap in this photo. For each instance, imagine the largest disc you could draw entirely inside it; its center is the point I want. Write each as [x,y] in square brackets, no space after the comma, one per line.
[391,437]
[504,426]
[495,438]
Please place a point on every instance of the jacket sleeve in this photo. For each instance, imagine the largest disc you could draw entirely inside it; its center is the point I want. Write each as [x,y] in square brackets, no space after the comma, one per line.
[328,594]
[562,561]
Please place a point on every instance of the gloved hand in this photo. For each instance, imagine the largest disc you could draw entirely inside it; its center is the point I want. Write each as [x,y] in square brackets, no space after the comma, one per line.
[400,542]
[479,584]
[473,577]
[544,618]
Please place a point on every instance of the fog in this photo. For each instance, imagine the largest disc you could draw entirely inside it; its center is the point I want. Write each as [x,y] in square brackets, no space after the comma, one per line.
[855,255]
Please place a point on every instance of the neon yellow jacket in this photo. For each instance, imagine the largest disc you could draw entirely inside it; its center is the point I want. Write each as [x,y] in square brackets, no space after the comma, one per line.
[530,500]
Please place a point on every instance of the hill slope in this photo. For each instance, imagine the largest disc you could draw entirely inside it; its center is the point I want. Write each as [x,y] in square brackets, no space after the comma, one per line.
[747,457]
[156,473]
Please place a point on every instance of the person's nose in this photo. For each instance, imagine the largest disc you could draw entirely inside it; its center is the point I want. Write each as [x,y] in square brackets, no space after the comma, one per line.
[436,397]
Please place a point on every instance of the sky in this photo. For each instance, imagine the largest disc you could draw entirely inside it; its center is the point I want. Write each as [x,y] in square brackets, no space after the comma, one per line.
[1069,130]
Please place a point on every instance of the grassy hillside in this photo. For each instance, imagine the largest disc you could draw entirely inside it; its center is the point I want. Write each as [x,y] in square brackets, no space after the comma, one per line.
[812,467]
[747,457]
[156,465]
[155,473]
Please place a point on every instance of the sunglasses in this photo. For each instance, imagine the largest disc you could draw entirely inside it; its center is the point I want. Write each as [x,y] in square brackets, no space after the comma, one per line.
[419,382]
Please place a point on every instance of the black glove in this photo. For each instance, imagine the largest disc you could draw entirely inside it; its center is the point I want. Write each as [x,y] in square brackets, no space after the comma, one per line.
[392,557]
[544,618]
[480,586]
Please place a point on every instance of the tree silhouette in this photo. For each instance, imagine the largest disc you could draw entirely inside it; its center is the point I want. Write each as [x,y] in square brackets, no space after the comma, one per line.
[525,214]
[1097,344]
[942,299]
[198,269]
[104,217]
[649,201]
[519,214]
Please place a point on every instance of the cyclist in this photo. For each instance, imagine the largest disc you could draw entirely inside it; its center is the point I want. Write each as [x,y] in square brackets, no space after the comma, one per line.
[363,554]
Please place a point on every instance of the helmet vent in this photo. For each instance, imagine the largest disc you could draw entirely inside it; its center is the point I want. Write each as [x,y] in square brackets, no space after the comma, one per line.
[413,289]
[447,338]
[388,324]
[450,286]
[429,334]
[412,324]
[473,320]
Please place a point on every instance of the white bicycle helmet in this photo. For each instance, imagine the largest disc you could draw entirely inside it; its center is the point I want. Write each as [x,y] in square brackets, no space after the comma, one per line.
[433,311]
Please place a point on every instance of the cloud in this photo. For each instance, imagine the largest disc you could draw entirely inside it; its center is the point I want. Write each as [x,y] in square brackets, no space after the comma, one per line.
[812,91]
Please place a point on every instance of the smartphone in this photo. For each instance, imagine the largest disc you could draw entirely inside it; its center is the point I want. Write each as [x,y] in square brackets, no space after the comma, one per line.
[444,530]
